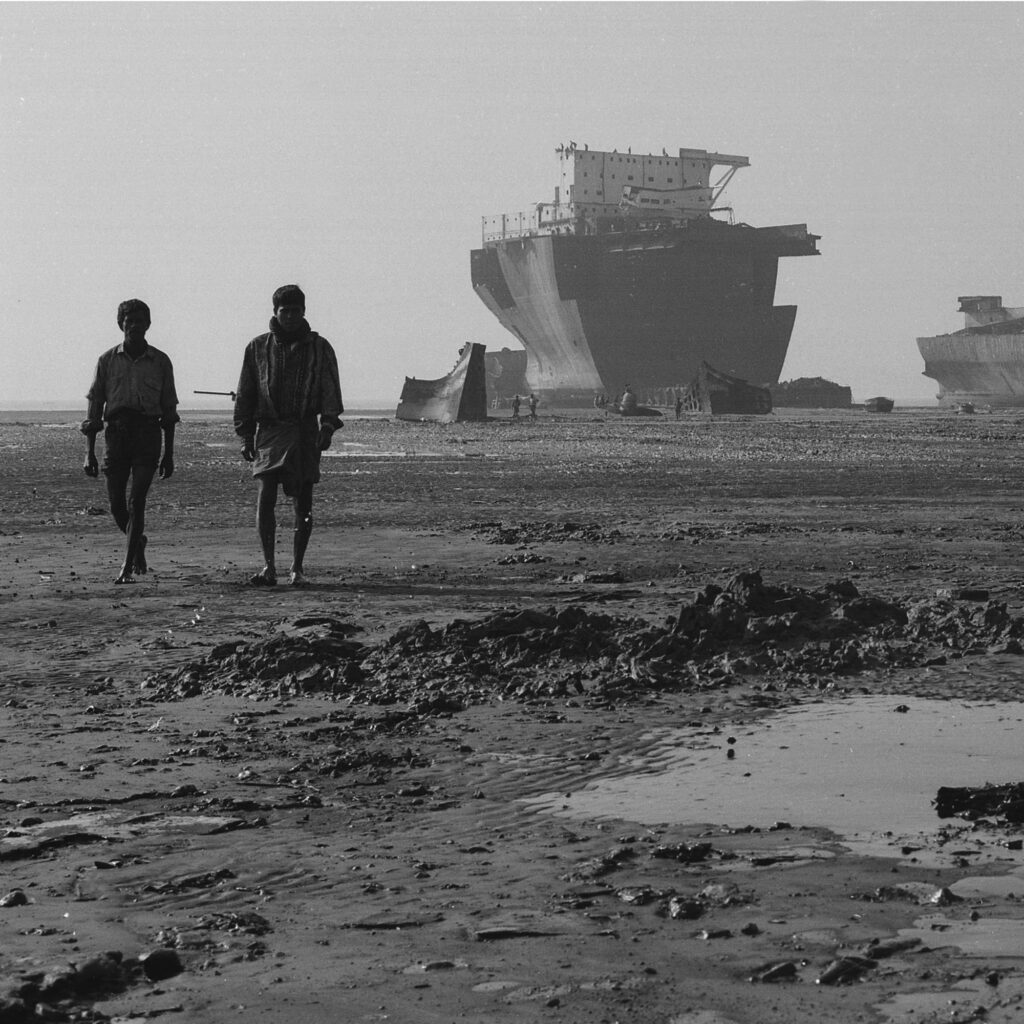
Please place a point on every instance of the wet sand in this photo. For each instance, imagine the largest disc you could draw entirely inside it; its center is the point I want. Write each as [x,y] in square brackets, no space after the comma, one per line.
[315,857]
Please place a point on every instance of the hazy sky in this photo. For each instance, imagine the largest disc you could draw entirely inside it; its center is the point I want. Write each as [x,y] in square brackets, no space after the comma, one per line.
[198,155]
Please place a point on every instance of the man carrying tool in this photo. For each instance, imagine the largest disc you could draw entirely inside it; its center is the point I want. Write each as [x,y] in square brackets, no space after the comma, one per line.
[287,407]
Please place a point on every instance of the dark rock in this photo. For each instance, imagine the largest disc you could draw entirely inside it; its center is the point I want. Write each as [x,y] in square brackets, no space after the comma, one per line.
[100,974]
[845,970]
[771,973]
[161,964]
[680,909]
[881,950]
[60,982]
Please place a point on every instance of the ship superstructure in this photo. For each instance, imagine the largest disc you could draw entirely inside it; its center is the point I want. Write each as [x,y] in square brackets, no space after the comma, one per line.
[635,274]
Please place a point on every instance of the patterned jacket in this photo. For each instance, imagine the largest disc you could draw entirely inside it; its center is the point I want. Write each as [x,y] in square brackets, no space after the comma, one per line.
[275,387]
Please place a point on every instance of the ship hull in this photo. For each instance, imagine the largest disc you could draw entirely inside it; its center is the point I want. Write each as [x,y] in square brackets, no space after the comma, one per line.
[984,369]
[595,313]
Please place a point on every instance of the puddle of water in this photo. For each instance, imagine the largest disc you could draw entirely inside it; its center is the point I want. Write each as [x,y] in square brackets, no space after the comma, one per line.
[1001,1003]
[991,887]
[986,937]
[855,766]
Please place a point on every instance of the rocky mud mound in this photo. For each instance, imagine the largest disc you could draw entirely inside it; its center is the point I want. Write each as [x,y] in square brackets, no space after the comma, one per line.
[64,992]
[744,628]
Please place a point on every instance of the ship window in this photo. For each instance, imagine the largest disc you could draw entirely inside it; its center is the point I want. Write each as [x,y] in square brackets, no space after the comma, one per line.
[650,179]
[669,180]
[629,177]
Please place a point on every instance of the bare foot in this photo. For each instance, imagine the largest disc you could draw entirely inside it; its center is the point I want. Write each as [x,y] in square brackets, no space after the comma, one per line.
[141,565]
[264,578]
[296,578]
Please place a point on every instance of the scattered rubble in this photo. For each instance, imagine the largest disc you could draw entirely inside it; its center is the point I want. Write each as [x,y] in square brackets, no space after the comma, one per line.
[920,893]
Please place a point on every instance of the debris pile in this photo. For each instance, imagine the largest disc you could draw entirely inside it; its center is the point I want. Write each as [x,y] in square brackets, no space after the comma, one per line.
[989,801]
[544,532]
[744,628]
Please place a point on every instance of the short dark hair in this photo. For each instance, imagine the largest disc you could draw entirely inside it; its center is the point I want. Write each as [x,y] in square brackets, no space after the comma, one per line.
[131,306]
[289,295]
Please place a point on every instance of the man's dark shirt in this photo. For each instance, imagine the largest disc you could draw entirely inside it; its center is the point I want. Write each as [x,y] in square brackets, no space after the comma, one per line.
[143,385]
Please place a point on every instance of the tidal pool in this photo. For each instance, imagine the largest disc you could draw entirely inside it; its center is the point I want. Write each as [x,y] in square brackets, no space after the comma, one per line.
[857,766]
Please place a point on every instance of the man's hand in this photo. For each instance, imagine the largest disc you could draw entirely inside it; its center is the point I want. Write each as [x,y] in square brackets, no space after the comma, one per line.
[91,466]
[166,467]
[249,450]
[324,440]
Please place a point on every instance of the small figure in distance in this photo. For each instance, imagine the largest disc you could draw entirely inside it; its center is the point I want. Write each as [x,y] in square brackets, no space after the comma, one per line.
[133,394]
[516,402]
[287,408]
[533,406]
[679,406]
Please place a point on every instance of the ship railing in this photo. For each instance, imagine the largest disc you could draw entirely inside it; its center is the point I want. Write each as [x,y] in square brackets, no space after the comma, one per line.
[501,226]
[508,225]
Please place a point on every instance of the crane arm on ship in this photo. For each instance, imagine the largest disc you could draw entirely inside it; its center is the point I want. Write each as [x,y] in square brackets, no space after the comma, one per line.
[719,186]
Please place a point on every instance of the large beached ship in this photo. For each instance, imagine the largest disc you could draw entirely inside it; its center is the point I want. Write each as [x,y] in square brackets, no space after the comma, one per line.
[983,364]
[635,275]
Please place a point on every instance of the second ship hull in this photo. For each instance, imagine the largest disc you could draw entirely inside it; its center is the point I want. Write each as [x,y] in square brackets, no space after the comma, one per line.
[597,312]
[984,369]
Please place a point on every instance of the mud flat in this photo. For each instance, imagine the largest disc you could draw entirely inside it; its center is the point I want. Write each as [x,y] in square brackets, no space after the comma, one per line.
[423,789]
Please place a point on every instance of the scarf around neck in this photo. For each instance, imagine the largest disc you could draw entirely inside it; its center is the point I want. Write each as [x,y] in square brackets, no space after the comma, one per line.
[300,332]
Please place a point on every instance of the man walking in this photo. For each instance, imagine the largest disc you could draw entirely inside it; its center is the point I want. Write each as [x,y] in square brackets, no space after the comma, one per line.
[133,394]
[287,407]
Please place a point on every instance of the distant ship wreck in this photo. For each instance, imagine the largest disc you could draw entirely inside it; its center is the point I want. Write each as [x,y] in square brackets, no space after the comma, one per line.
[458,396]
[811,393]
[983,364]
[712,391]
[631,275]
